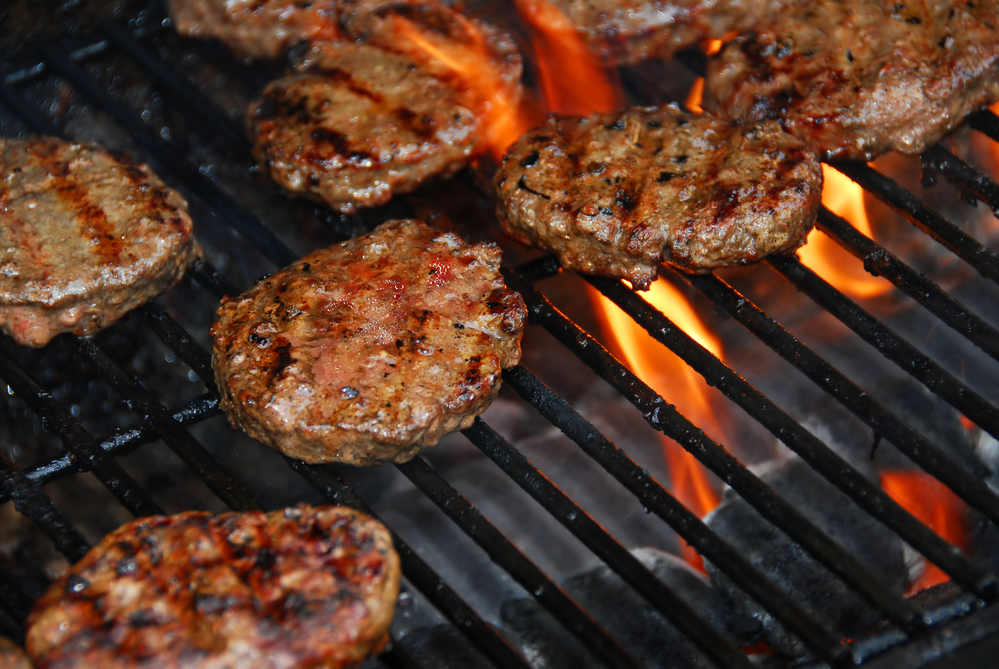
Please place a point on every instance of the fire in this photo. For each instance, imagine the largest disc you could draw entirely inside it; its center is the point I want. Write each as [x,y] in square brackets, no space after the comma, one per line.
[471,65]
[935,506]
[845,198]
[695,96]
[572,79]
[712,46]
[671,377]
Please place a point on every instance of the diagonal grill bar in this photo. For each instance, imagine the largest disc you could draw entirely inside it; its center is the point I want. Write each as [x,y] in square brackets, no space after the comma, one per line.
[970,182]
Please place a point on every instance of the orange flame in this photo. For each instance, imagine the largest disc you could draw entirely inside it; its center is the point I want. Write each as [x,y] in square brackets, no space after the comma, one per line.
[712,46]
[845,198]
[695,96]
[935,506]
[572,80]
[671,377]
[472,67]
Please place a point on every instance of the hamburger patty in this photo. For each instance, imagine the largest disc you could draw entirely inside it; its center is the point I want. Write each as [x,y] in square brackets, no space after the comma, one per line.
[370,350]
[12,657]
[359,124]
[630,31]
[301,587]
[616,194]
[84,238]
[857,78]
[256,28]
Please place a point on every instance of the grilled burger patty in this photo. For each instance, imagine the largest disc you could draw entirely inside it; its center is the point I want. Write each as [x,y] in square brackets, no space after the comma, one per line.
[256,28]
[359,124]
[616,194]
[370,350]
[84,237]
[301,587]
[12,657]
[857,78]
[630,31]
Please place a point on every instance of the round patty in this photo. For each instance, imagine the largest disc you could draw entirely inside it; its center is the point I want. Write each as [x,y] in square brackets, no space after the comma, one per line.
[256,28]
[301,587]
[85,236]
[370,350]
[359,124]
[857,78]
[616,194]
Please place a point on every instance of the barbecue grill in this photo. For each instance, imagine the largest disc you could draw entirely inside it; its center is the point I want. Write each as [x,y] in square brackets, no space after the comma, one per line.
[959,629]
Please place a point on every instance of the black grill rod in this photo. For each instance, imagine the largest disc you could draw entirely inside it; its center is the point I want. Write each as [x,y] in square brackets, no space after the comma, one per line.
[715,644]
[987,123]
[908,358]
[973,184]
[167,155]
[664,418]
[505,554]
[880,262]
[145,403]
[32,117]
[918,214]
[180,340]
[820,457]
[80,443]
[177,87]
[419,573]
[920,450]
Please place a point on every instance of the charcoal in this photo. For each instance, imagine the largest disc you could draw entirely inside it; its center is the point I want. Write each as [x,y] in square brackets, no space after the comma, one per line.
[542,640]
[441,647]
[827,598]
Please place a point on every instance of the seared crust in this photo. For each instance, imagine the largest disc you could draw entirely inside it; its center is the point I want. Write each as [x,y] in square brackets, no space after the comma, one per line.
[616,194]
[256,28]
[360,125]
[12,657]
[370,350]
[301,587]
[857,78]
[630,31]
[84,238]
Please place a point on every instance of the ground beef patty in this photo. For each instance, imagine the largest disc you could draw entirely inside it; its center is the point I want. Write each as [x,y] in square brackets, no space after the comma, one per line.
[370,350]
[857,78]
[12,657]
[84,237]
[616,194]
[256,28]
[359,124]
[301,587]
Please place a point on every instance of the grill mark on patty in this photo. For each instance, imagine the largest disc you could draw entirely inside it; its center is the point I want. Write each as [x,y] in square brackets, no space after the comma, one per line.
[90,217]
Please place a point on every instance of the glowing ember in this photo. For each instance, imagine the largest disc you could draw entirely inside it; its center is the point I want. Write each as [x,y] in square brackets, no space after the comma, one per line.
[845,198]
[671,377]
[712,46]
[470,66]
[572,80]
[695,96]
[937,507]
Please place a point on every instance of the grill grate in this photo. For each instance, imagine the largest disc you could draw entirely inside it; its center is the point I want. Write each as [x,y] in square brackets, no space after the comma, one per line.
[917,636]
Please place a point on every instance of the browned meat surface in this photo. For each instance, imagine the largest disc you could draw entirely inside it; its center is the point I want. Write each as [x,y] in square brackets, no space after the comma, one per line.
[630,31]
[616,194]
[84,238]
[300,587]
[857,78]
[370,350]
[359,124]
[256,28]
[12,657]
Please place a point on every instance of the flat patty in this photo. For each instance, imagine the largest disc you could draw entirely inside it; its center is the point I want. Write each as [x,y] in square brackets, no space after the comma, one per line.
[630,31]
[358,125]
[300,587]
[858,78]
[256,28]
[370,350]
[85,236]
[616,194]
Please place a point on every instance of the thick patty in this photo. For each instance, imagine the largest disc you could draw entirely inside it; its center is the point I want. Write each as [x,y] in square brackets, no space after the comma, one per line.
[370,350]
[85,237]
[359,124]
[630,31]
[616,194]
[857,78]
[300,587]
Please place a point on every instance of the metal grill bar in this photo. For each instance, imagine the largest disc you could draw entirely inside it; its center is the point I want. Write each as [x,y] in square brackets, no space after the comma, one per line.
[504,553]
[928,456]
[664,418]
[829,464]
[606,547]
[880,262]
[972,183]
[986,122]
